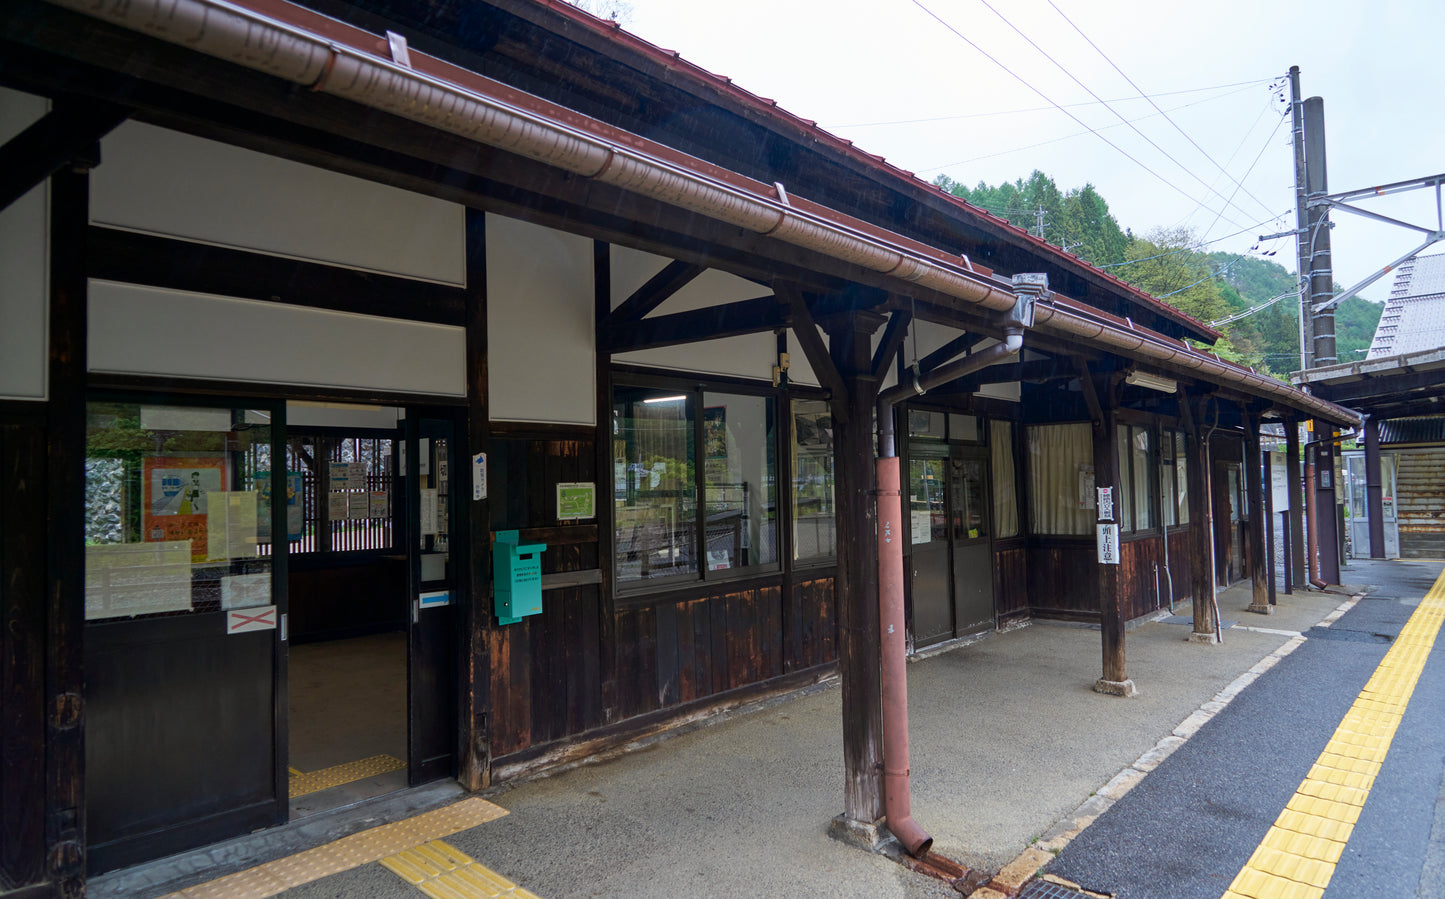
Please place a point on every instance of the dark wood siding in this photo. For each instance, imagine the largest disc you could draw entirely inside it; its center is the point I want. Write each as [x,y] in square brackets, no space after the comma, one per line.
[1063,579]
[22,644]
[548,672]
[1010,581]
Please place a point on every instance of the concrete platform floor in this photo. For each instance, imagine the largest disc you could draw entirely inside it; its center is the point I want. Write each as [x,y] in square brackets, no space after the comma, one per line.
[1008,740]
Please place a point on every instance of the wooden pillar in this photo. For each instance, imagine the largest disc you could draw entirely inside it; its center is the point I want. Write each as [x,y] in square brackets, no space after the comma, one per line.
[1326,513]
[1201,518]
[1298,570]
[1254,497]
[64,757]
[474,759]
[1115,680]
[606,510]
[1374,489]
[850,346]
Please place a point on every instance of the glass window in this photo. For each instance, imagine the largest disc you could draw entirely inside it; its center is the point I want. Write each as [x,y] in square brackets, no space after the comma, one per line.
[740,490]
[1135,492]
[1005,491]
[925,425]
[1175,486]
[654,484]
[1061,479]
[963,427]
[177,509]
[815,517]
[341,492]
[694,483]
[927,509]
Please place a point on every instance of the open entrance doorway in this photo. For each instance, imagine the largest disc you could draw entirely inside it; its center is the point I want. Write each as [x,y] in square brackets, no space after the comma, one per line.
[371,687]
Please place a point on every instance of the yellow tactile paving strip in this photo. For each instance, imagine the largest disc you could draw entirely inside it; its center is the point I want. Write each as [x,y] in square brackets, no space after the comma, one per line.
[326,778]
[1298,856]
[444,873]
[347,853]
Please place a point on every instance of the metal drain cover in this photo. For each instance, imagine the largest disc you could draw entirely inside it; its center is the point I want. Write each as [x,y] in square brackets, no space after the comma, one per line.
[1044,889]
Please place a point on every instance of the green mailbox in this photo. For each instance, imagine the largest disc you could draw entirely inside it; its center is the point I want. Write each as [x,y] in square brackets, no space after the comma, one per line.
[516,577]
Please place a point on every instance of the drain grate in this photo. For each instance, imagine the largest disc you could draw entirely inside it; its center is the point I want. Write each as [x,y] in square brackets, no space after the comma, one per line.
[1044,889]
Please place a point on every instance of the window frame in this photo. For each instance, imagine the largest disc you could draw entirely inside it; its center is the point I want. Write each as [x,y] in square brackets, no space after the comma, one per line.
[1125,478]
[694,388]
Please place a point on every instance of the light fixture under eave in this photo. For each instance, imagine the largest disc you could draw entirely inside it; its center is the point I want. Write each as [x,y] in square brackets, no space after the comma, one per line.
[1152,382]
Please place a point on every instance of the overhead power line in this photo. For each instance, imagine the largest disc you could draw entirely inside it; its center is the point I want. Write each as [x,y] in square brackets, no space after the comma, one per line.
[1192,248]
[1002,112]
[1019,78]
[1090,42]
[1228,201]
[934,168]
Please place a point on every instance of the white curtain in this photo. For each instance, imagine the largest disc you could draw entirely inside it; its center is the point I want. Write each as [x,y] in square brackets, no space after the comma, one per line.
[1005,491]
[1061,476]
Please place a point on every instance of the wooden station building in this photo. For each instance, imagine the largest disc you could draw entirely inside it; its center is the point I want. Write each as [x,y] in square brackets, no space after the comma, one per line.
[429,284]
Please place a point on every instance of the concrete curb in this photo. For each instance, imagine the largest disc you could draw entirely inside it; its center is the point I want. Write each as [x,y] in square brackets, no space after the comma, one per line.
[1012,877]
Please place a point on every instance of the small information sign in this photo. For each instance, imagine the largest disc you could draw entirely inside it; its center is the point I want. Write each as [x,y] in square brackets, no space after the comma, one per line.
[576,500]
[1106,503]
[1108,539]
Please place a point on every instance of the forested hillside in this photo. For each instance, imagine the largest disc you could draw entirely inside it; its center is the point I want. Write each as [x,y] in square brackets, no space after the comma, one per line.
[1173,265]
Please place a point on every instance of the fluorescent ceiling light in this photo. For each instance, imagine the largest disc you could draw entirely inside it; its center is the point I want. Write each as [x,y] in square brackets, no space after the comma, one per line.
[1153,382]
[664,399]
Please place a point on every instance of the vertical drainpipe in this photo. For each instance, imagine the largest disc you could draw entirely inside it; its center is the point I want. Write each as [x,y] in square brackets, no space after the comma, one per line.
[893,649]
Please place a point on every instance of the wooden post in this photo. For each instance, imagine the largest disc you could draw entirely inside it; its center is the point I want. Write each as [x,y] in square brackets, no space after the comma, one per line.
[1374,489]
[1254,492]
[1201,519]
[474,768]
[64,757]
[1115,680]
[606,509]
[850,348]
[1326,513]
[1298,570]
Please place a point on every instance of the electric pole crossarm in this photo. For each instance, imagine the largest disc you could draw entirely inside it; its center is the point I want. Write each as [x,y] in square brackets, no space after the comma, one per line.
[1336,204]
[1435,237]
[1386,189]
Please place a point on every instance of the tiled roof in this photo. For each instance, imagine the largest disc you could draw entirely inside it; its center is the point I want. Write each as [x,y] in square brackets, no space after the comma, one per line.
[1413,430]
[1414,316]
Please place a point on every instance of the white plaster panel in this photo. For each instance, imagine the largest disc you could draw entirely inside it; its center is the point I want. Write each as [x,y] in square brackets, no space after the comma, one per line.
[748,356]
[24,269]
[164,182]
[138,330]
[541,345]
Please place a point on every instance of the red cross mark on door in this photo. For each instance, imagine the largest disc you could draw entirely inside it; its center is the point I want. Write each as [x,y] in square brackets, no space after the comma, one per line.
[241,620]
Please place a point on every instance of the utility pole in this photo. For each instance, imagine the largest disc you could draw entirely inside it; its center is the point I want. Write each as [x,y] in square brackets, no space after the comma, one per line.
[1041,221]
[1301,211]
[1322,276]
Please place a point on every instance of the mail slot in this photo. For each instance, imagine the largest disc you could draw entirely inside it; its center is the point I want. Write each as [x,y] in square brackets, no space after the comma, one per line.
[516,577]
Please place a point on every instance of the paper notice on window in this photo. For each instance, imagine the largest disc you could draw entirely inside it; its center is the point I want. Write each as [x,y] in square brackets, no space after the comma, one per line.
[428,510]
[340,473]
[231,525]
[921,525]
[336,506]
[423,462]
[245,591]
[357,475]
[380,502]
[137,578]
[358,504]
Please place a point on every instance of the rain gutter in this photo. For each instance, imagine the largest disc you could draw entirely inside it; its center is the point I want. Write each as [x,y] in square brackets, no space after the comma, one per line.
[496,115]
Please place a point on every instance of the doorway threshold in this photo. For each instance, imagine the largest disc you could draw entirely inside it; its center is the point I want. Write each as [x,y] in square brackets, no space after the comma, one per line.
[929,652]
[177,872]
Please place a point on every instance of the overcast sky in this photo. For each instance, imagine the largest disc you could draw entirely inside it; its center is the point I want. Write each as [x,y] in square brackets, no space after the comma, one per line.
[898,82]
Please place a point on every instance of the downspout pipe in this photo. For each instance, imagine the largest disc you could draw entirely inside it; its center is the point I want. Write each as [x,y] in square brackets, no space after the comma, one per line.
[893,650]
